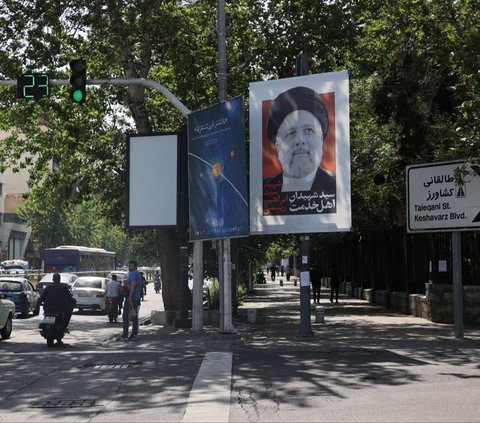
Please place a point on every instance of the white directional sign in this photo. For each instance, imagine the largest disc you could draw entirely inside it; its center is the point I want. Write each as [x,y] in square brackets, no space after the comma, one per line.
[438,201]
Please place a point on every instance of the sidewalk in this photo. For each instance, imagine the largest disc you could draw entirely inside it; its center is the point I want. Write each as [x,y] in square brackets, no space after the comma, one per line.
[352,323]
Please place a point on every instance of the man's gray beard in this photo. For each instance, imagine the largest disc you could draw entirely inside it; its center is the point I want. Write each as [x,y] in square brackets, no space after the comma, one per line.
[301,166]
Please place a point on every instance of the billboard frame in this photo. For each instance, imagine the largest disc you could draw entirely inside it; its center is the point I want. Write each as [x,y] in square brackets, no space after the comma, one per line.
[130,137]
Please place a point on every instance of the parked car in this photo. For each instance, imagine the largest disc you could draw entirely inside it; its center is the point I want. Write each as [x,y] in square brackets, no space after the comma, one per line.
[122,276]
[89,292]
[67,278]
[7,311]
[21,291]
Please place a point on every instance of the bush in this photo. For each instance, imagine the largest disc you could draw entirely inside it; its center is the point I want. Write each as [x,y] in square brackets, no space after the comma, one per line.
[212,294]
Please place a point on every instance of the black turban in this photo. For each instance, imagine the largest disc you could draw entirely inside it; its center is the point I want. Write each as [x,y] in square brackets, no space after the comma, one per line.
[298,98]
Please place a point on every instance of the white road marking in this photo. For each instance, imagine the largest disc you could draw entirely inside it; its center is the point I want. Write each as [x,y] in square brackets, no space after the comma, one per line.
[209,399]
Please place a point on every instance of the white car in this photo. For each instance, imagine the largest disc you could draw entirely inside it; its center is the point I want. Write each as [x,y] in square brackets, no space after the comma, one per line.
[47,279]
[7,311]
[122,276]
[89,292]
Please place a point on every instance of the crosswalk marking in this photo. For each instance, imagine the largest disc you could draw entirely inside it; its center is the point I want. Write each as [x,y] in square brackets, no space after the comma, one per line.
[209,399]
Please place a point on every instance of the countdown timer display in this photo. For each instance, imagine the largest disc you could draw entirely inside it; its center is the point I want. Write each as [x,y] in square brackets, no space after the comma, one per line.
[33,86]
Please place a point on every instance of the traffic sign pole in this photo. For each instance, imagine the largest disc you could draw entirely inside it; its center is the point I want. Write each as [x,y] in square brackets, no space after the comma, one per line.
[457,284]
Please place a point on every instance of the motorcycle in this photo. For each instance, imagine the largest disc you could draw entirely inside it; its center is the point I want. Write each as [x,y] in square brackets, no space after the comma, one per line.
[52,327]
[112,309]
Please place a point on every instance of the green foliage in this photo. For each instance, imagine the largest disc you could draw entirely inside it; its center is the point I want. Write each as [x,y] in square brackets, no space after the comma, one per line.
[414,97]
[214,294]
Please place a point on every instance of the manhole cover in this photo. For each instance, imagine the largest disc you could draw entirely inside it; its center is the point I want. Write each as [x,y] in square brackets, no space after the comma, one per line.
[63,403]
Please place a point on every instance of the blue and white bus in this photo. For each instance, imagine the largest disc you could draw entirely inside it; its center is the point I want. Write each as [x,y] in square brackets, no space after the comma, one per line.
[76,259]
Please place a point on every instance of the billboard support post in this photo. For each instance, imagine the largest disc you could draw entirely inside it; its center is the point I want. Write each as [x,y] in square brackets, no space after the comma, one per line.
[305,326]
[225,257]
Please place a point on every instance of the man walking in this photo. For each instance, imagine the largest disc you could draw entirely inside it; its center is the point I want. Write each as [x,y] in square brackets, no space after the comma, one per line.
[133,293]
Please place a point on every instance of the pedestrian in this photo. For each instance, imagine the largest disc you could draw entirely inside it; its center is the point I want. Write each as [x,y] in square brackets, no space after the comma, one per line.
[282,269]
[316,280]
[157,282]
[112,291]
[334,284]
[273,270]
[288,272]
[133,293]
[144,286]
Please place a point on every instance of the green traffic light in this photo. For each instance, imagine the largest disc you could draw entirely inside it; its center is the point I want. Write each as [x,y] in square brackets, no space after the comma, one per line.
[78,95]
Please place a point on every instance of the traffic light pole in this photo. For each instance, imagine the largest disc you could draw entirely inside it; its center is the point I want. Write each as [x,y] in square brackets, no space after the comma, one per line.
[133,81]
[197,309]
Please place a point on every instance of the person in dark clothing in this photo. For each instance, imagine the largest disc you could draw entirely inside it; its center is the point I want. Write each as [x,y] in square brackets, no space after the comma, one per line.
[273,270]
[288,272]
[316,280]
[334,284]
[58,295]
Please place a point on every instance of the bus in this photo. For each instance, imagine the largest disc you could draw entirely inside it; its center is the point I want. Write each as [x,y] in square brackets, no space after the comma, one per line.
[76,259]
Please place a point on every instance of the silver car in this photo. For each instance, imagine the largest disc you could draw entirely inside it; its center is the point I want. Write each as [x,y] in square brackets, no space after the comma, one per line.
[7,311]
[89,292]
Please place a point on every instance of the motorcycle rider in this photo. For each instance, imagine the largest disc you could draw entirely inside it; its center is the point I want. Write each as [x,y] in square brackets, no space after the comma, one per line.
[58,295]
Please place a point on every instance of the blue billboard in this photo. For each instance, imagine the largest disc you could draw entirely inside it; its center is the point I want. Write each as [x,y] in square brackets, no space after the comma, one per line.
[217,172]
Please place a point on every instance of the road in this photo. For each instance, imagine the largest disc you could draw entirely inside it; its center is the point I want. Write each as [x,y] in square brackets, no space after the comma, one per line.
[94,378]
[362,365]
[87,329]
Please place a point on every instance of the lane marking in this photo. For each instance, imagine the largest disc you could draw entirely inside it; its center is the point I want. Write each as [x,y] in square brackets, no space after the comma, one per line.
[209,399]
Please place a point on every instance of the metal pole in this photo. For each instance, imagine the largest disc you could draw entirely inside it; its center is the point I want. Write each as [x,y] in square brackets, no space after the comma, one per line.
[197,300]
[305,325]
[301,68]
[198,266]
[133,81]
[457,284]
[225,257]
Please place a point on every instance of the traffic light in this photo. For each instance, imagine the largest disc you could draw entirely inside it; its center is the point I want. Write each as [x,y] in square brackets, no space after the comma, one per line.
[78,80]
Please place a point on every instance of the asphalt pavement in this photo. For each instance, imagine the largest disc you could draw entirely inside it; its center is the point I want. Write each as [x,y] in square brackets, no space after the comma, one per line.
[364,363]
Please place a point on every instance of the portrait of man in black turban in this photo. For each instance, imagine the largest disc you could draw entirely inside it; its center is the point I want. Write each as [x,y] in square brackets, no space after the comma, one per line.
[297,125]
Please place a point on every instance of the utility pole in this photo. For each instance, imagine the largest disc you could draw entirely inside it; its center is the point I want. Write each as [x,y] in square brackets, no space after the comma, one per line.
[224,254]
[305,325]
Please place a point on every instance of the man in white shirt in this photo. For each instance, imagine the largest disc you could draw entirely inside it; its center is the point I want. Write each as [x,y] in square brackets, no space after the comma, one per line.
[113,291]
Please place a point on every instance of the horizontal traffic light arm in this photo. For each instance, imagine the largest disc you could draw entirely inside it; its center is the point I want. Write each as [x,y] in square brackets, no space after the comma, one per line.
[134,81]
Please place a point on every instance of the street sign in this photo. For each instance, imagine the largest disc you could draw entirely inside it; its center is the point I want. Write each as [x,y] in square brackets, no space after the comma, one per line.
[438,200]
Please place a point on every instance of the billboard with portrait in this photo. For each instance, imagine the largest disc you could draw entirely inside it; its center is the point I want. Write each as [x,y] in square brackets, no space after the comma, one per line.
[217,172]
[300,155]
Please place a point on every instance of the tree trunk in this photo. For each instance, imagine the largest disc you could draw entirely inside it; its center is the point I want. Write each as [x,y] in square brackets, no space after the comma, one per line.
[168,246]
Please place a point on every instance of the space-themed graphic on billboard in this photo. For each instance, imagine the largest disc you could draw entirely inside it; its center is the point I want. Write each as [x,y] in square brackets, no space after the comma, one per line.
[217,172]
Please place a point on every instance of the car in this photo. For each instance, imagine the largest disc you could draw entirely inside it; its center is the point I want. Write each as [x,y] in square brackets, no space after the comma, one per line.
[89,292]
[21,291]
[122,276]
[47,279]
[7,311]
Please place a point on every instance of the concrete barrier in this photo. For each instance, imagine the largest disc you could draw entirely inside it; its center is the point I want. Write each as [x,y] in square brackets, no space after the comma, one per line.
[251,315]
[367,295]
[320,314]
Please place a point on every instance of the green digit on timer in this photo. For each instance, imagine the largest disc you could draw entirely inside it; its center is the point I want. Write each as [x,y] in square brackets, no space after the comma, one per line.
[43,89]
[31,85]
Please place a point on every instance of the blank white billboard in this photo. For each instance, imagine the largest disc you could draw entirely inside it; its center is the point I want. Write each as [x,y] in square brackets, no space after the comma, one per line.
[152,180]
